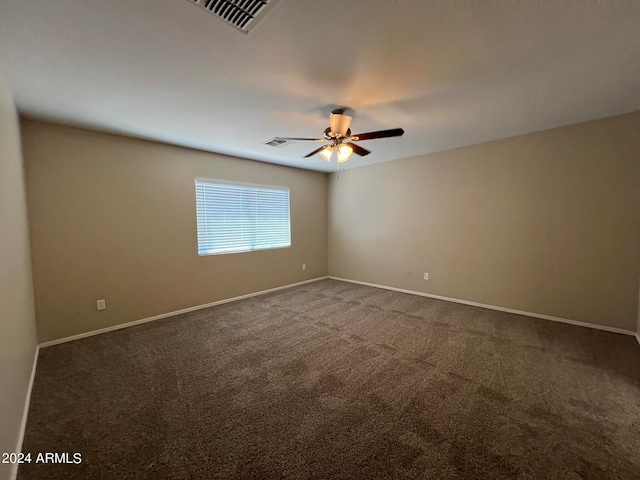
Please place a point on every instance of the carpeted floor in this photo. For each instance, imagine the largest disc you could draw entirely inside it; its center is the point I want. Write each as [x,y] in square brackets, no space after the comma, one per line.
[335,380]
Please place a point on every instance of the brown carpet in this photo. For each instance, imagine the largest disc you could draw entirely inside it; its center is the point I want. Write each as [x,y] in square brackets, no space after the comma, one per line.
[335,380]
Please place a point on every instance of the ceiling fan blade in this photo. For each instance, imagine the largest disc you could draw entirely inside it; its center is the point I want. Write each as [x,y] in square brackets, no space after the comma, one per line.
[299,139]
[394,132]
[316,151]
[358,149]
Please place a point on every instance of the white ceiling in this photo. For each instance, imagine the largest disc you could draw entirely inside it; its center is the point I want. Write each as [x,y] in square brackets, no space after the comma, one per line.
[451,73]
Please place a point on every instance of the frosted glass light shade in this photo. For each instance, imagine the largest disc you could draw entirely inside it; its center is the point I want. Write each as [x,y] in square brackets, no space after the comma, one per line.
[344,152]
[326,153]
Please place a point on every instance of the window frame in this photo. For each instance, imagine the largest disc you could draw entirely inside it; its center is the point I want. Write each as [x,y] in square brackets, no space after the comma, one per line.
[240,184]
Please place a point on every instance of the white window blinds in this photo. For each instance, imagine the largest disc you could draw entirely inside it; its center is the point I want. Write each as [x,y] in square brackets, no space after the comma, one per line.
[238,218]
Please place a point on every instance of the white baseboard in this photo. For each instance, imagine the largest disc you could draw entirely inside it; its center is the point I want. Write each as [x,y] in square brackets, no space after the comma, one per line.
[493,307]
[25,413]
[171,314]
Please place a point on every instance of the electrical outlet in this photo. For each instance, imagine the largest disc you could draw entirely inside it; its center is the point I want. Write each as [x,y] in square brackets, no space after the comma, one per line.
[102,304]
[408,273]
[304,266]
[426,276]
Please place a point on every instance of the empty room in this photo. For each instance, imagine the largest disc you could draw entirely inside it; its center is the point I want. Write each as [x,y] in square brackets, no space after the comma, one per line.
[319,239]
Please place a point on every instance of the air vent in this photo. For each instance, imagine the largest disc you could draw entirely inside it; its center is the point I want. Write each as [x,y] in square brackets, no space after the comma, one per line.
[278,142]
[241,14]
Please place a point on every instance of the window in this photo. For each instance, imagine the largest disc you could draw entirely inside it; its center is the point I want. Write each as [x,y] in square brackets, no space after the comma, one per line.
[235,217]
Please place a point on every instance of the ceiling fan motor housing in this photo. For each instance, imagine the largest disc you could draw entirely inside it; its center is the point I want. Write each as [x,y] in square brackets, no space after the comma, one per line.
[339,125]
[331,135]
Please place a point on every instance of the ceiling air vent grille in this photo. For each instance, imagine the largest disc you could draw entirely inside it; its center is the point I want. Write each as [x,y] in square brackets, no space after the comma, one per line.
[241,14]
[278,142]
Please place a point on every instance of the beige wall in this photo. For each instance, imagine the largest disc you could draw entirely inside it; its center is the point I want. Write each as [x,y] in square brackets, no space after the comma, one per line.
[545,223]
[114,217]
[17,318]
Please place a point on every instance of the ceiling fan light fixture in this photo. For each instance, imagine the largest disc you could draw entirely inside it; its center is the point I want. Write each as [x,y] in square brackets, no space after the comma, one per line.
[338,136]
[327,153]
[344,152]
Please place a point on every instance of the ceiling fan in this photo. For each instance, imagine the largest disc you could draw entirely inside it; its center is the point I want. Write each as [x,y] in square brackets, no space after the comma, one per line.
[339,138]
